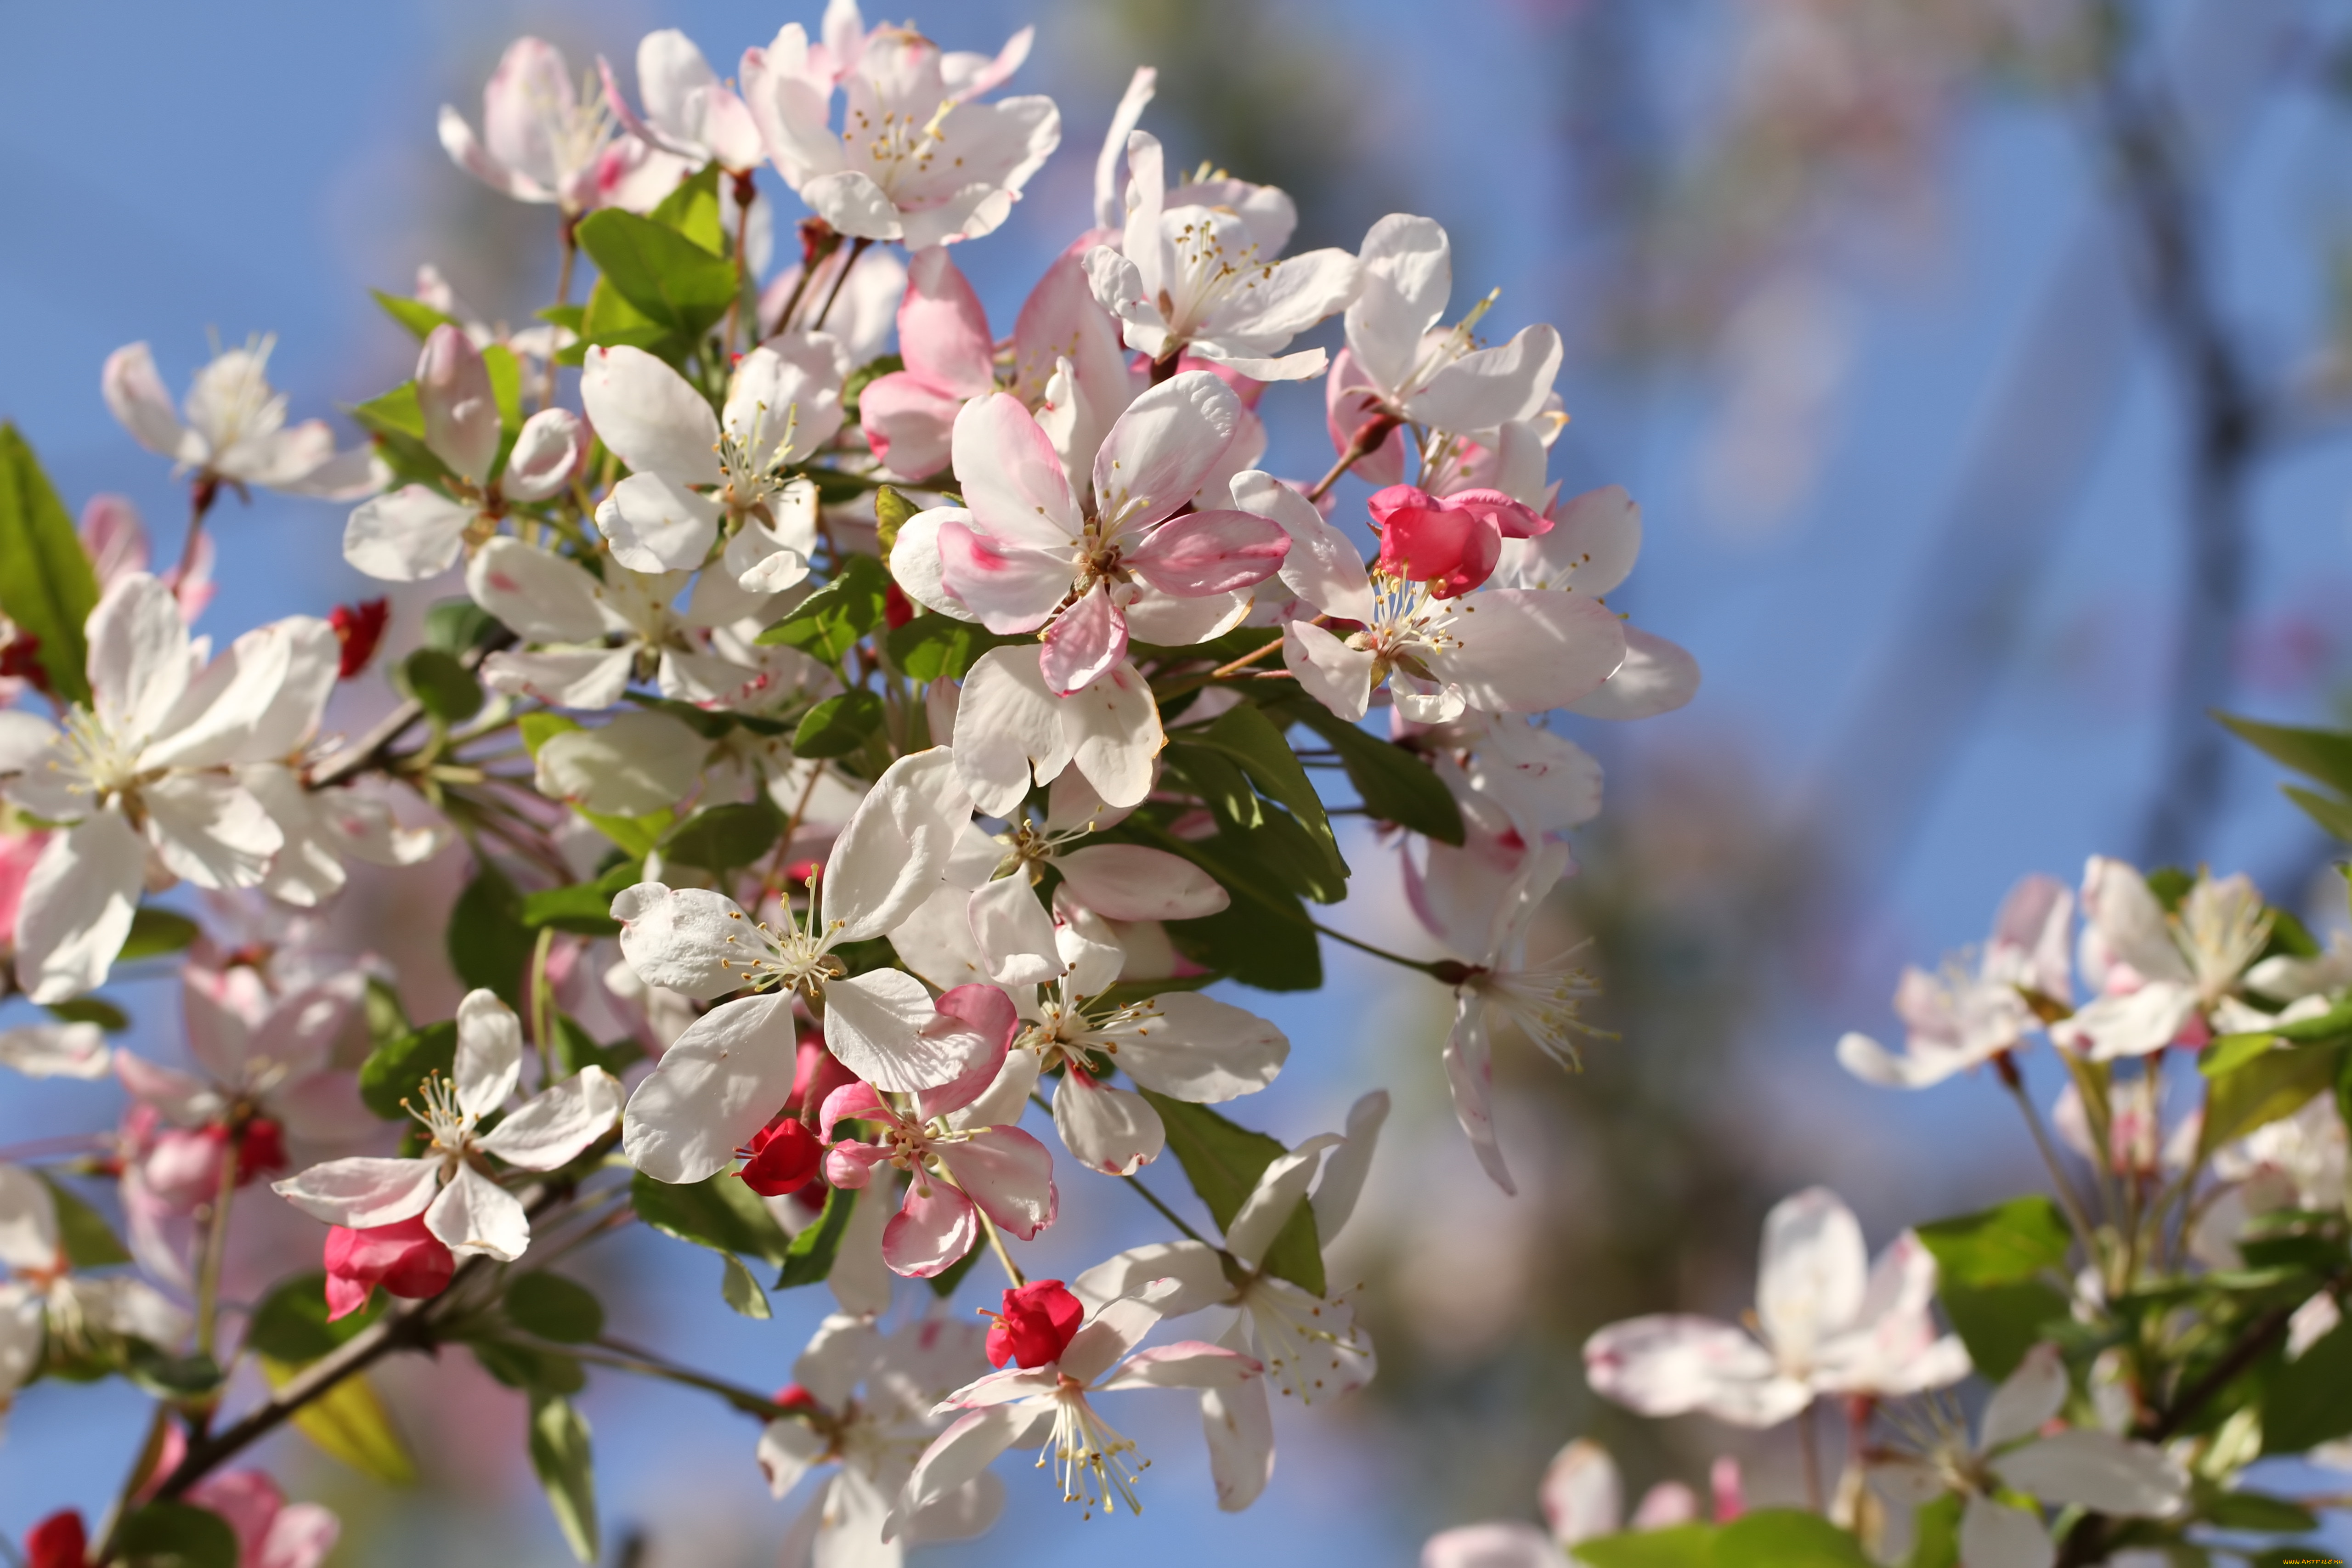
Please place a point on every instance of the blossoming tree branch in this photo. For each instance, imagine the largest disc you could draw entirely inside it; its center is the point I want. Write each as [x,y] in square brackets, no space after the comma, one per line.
[868,739]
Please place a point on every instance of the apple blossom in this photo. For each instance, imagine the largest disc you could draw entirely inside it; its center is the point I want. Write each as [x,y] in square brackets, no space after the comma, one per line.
[1201,277]
[44,1296]
[864,1400]
[451,1183]
[917,158]
[1047,1392]
[1025,554]
[689,112]
[1591,548]
[2160,973]
[405,1256]
[2017,1455]
[1825,1324]
[1582,1496]
[57,1050]
[149,767]
[910,415]
[415,533]
[543,139]
[1966,1015]
[236,431]
[727,1074]
[691,470]
[1012,726]
[270,1531]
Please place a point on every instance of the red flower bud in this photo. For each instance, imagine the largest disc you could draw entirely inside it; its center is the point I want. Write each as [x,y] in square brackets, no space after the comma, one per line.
[359,627]
[20,656]
[784,1156]
[896,608]
[405,1257]
[57,1542]
[260,1149]
[1038,1322]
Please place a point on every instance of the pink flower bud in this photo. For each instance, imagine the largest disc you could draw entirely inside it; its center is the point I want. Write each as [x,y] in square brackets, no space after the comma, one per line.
[454,396]
[1038,1322]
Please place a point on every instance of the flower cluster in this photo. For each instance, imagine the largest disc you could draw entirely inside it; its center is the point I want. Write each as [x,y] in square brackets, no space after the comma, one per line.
[864,736]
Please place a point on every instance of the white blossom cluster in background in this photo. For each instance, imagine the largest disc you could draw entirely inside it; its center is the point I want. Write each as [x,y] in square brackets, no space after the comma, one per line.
[866,738]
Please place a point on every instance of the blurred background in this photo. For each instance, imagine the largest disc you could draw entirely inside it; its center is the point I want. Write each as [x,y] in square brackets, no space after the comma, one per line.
[1980,365]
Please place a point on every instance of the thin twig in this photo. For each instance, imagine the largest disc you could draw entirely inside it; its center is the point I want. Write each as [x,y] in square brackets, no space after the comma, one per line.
[856,250]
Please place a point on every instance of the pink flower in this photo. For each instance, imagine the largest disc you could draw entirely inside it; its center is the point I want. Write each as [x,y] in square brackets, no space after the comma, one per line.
[539,142]
[405,1257]
[270,1531]
[943,337]
[1038,1322]
[1003,1170]
[1450,542]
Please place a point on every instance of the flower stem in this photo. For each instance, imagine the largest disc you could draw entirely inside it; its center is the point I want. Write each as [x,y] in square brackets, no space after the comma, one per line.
[856,249]
[1425,967]
[208,1278]
[1170,1215]
[539,1001]
[2013,1082]
[1366,441]
[1012,1270]
[563,297]
[622,1357]
[1805,1425]
[200,495]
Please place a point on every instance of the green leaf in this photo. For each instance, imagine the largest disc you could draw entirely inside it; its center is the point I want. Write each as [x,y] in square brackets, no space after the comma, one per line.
[90,1010]
[2306,1407]
[181,1378]
[1679,1546]
[838,725]
[155,932]
[2334,815]
[47,585]
[87,1240]
[454,625]
[290,1324]
[584,909]
[418,317]
[672,281]
[891,509]
[719,1213]
[176,1535]
[2263,1088]
[1394,784]
[693,211]
[566,316]
[1220,782]
[529,1367]
[488,943]
[1786,1538]
[741,1291]
[2255,1512]
[397,423]
[1988,1271]
[349,1422]
[721,838]
[609,320]
[943,1284]
[854,388]
[1247,735]
[554,1307]
[2017,1240]
[810,1257]
[1936,1534]
[1264,938]
[560,1453]
[2325,755]
[828,623]
[574,1050]
[393,1072]
[933,646]
[441,684]
[1223,1161]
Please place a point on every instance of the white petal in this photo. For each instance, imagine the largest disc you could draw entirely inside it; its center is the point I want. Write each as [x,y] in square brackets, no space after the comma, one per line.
[1013,934]
[1115,735]
[490,1052]
[648,415]
[1523,650]
[656,525]
[1657,677]
[640,760]
[2026,1400]
[1993,1532]
[28,1221]
[57,1050]
[893,853]
[1324,567]
[1668,1364]
[1328,670]
[556,1126]
[1810,1280]
[1581,1495]
[915,560]
[1135,882]
[1107,1129]
[2097,1470]
[1280,1188]
[590,679]
[720,1083]
[878,1024]
[1192,1046]
[1487,388]
[543,598]
[475,1215]
[1346,1167]
[1008,725]
[687,940]
[407,536]
[363,1192]
[134,393]
[1510,1545]
[77,907]
[1194,1266]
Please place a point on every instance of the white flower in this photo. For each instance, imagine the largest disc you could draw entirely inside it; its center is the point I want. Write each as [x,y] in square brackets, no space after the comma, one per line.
[916,159]
[691,469]
[1825,1325]
[689,112]
[1050,1397]
[416,532]
[2158,973]
[1012,726]
[1198,276]
[42,1296]
[1310,1345]
[866,1401]
[148,768]
[57,1050]
[2079,1467]
[588,637]
[236,430]
[1594,540]
[451,1184]
[1410,370]
[1958,1017]
[729,1073]
[1582,1496]
[539,142]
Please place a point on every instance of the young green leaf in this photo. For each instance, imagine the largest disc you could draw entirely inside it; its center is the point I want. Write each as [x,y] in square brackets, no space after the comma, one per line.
[560,1453]
[891,509]
[932,646]
[1677,1546]
[811,1255]
[741,1290]
[87,1240]
[554,1307]
[455,625]
[393,1071]
[349,1423]
[89,1010]
[719,1213]
[441,684]
[155,932]
[290,1324]
[176,1535]
[828,623]
[720,837]
[838,725]
[47,585]
[415,315]
[671,281]
[1991,1269]
[488,943]
[1395,784]
[692,209]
